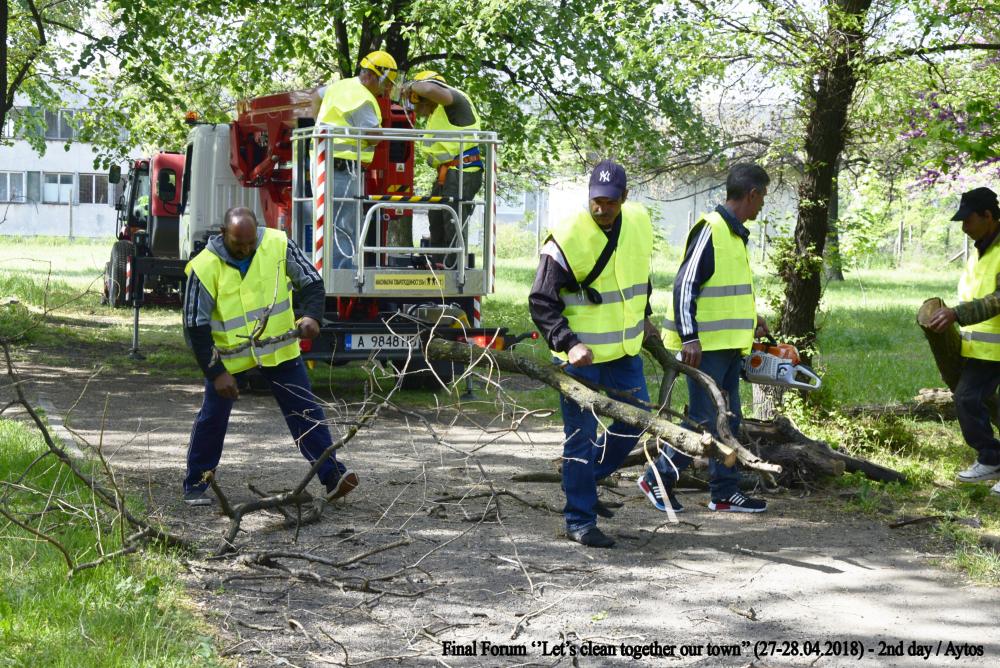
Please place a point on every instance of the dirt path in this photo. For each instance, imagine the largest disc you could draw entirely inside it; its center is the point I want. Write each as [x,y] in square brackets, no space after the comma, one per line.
[725,584]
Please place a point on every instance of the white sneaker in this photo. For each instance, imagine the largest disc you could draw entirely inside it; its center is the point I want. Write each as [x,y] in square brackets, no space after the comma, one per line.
[979,472]
[996,489]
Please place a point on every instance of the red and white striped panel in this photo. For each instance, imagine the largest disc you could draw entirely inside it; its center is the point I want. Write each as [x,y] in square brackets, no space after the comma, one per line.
[477,312]
[493,250]
[319,199]
[128,279]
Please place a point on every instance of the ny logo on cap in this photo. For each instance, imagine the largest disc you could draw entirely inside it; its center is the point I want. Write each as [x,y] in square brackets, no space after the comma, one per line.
[604,176]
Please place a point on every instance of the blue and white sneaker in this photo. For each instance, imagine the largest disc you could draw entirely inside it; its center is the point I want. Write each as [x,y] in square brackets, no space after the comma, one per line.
[652,492]
[738,503]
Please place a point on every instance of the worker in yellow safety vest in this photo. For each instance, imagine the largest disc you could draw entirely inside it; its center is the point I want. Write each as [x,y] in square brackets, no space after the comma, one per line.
[712,319]
[458,163]
[978,316]
[590,300]
[351,103]
[238,315]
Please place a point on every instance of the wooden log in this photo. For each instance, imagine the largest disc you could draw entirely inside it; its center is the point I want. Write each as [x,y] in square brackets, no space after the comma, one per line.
[930,403]
[780,434]
[679,438]
[946,347]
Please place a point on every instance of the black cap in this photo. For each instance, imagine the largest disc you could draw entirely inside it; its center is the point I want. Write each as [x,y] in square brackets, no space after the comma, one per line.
[608,180]
[975,201]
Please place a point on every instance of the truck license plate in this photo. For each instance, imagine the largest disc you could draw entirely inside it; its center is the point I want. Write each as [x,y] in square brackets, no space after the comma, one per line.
[381,341]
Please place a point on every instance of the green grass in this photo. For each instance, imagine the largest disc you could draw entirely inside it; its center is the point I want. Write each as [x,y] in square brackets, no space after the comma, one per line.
[870,351]
[127,612]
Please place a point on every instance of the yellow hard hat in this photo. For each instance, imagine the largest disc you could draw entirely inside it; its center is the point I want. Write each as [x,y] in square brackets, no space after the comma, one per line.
[428,74]
[425,75]
[382,64]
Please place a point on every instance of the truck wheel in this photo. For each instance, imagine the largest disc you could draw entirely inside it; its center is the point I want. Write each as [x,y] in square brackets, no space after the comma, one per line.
[121,252]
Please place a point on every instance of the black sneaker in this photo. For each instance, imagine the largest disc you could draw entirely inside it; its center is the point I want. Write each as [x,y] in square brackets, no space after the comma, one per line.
[591,537]
[341,483]
[737,503]
[198,497]
[652,492]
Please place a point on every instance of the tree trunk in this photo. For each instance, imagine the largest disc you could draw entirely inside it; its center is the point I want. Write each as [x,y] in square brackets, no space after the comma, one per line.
[947,350]
[832,88]
[834,263]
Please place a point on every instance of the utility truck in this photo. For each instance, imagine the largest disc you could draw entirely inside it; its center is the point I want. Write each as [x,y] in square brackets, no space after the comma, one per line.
[384,291]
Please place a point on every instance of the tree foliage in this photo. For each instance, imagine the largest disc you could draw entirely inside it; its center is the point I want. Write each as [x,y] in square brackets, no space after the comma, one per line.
[559,81]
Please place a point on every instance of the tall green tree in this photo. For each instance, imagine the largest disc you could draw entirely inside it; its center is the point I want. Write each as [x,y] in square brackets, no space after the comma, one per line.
[823,56]
[557,80]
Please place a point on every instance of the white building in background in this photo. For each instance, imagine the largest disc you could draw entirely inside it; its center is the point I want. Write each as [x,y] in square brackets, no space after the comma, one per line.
[59,193]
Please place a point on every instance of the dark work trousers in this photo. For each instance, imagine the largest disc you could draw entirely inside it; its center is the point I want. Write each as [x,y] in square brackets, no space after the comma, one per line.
[441,224]
[588,457]
[304,417]
[724,368]
[978,381]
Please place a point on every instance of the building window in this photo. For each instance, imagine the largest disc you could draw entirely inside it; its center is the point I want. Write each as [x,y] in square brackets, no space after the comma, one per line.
[93,189]
[57,188]
[34,186]
[60,124]
[11,186]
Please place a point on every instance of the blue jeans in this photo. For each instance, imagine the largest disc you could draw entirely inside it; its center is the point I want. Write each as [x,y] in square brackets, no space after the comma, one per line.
[587,458]
[341,234]
[724,368]
[304,417]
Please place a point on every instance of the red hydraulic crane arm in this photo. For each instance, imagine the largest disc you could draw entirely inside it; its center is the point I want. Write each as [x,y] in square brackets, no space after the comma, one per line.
[260,148]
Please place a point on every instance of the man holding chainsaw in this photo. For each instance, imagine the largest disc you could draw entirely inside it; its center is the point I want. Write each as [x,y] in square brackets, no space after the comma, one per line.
[447,108]
[978,316]
[713,321]
[237,316]
[590,300]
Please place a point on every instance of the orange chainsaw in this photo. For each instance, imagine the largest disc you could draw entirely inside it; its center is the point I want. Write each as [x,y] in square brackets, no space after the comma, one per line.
[774,363]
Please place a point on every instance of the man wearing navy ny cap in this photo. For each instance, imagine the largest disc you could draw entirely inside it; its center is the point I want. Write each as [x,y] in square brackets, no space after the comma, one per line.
[590,300]
[978,316]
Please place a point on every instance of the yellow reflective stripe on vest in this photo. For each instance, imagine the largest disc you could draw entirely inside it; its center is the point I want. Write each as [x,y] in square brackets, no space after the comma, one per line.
[726,290]
[609,297]
[603,338]
[986,337]
[239,321]
[982,339]
[731,324]
[258,351]
[613,328]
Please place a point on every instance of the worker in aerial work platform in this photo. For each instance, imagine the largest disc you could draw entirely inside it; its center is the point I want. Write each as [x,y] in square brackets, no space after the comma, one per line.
[352,103]
[978,316]
[590,300]
[447,108]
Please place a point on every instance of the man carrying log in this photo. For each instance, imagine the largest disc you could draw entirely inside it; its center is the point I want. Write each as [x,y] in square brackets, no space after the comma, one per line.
[712,321]
[978,316]
[590,300]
